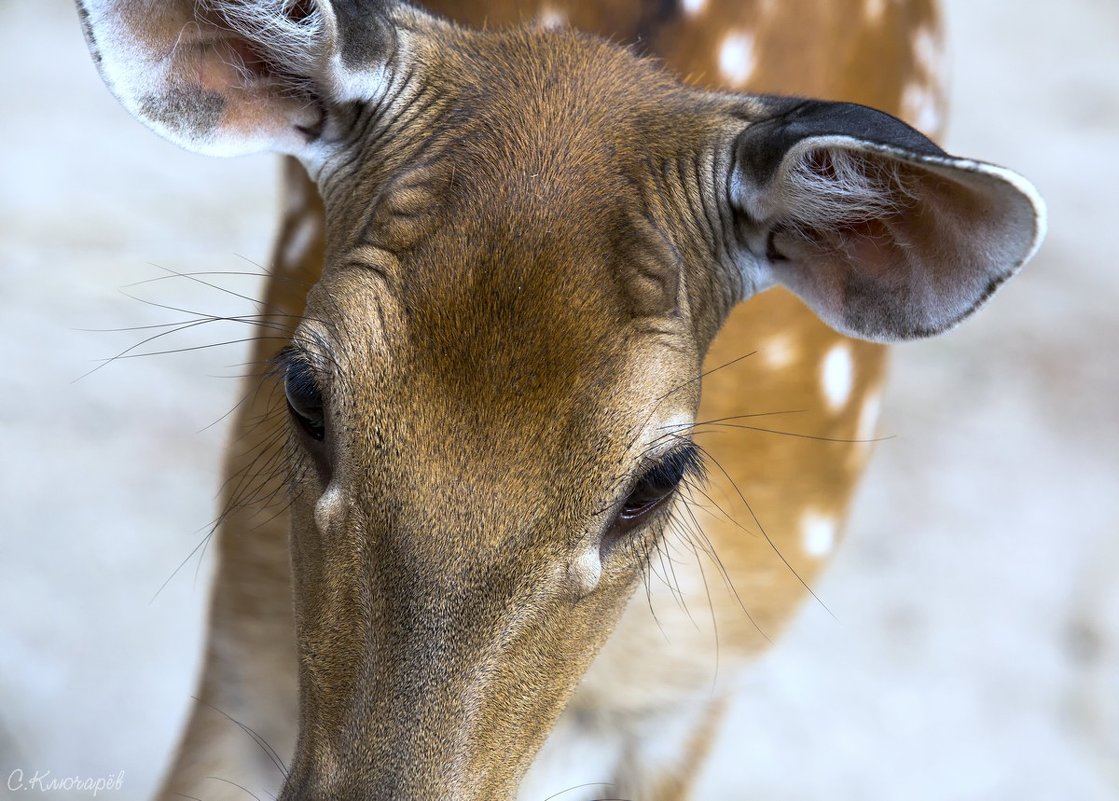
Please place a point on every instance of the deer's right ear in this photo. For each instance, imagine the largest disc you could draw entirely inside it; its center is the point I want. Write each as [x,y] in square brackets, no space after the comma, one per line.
[230,77]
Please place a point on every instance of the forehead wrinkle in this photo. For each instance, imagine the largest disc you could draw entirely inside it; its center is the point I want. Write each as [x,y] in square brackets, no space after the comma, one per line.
[521,286]
[511,315]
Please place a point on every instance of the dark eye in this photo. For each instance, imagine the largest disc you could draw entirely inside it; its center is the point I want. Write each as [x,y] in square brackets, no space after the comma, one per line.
[656,485]
[304,399]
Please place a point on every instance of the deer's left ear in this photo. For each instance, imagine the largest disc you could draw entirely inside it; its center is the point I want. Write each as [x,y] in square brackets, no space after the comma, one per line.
[882,233]
[228,77]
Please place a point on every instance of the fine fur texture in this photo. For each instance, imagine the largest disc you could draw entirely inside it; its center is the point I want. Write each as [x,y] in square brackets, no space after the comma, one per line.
[830,188]
[530,239]
[284,39]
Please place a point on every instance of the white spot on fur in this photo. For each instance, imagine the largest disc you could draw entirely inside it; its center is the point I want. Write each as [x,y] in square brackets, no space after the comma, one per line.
[372,83]
[921,108]
[837,375]
[584,573]
[875,9]
[817,532]
[674,424]
[663,434]
[736,57]
[552,18]
[693,6]
[927,51]
[779,351]
[327,508]
[298,246]
[868,417]
[296,199]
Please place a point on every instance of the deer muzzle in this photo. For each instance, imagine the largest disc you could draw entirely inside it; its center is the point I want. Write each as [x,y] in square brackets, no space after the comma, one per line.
[433,663]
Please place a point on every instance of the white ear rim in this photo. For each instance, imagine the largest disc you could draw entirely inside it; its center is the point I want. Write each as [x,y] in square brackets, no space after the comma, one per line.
[102,26]
[1019,182]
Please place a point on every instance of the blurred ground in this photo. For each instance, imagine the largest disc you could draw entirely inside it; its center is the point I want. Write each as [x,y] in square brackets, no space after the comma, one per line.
[976,651]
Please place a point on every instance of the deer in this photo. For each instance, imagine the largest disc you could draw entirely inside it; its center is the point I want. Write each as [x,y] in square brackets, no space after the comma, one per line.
[543,269]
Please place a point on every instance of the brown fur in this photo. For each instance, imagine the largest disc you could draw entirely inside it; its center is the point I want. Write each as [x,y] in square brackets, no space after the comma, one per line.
[438,640]
[439,626]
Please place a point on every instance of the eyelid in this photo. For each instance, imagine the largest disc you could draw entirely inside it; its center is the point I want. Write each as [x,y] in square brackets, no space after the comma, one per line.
[295,354]
[283,358]
[290,356]
[678,463]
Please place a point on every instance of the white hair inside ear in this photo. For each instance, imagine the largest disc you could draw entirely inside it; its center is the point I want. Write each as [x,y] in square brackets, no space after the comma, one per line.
[822,187]
[289,36]
[885,243]
[230,77]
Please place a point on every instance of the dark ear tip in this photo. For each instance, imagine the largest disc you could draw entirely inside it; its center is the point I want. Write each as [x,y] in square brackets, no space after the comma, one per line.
[761,146]
[865,123]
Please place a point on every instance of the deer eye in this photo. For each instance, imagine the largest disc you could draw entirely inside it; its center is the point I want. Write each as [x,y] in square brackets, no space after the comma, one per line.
[304,398]
[656,485]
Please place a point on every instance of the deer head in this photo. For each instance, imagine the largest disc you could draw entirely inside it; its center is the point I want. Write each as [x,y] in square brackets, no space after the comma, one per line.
[532,238]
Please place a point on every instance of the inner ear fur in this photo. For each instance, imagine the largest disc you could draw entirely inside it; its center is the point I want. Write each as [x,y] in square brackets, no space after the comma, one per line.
[221,77]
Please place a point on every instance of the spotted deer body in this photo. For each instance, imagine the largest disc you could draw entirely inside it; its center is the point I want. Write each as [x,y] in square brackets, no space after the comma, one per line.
[526,247]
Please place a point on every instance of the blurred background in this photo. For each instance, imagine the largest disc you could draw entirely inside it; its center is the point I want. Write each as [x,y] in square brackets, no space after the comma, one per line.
[974,652]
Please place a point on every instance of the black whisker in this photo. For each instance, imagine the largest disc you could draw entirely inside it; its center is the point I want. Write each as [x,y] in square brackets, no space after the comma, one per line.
[658,401]
[212,528]
[578,787]
[263,744]
[234,784]
[187,349]
[769,539]
[796,434]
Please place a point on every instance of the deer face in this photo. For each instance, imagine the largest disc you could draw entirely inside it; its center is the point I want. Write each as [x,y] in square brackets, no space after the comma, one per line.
[487,393]
[532,238]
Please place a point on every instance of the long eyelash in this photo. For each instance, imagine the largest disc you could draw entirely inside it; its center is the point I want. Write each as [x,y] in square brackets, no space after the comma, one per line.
[683,462]
[293,356]
[278,365]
